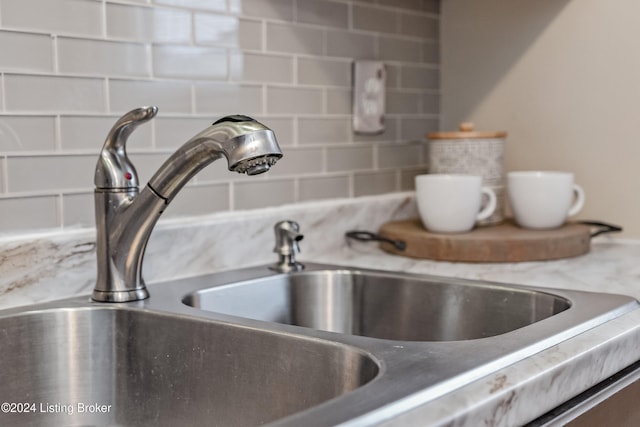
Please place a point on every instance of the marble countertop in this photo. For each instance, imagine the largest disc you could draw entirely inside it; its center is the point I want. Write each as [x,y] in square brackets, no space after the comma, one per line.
[612,266]
[47,266]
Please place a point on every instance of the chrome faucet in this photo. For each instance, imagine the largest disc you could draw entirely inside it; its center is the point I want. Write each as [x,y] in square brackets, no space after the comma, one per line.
[287,237]
[125,216]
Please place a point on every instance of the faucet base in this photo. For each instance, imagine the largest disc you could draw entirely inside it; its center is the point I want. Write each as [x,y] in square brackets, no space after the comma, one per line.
[120,296]
[286,264]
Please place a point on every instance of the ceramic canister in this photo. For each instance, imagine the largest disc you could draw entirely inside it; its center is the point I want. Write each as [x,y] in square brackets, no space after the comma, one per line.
[468,151]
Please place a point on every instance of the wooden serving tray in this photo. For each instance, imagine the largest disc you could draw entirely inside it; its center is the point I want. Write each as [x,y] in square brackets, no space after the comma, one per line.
[505,242]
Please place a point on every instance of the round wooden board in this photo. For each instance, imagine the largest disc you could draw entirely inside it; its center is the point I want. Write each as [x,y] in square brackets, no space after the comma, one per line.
[499,243]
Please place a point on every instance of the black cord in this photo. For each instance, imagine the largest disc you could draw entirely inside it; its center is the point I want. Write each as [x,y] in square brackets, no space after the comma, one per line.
[604,227]
[367,236]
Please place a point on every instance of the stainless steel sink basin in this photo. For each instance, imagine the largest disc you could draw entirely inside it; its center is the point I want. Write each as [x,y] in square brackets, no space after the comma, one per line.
[326,346]
[101,365]
[383,305]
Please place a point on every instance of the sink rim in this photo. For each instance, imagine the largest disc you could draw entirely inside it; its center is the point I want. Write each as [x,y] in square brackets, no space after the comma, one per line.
[396,388]
[416,390]
[283,281]
[578,300]
[36,319]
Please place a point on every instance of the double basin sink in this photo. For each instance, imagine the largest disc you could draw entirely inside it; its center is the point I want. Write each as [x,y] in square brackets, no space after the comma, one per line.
[325,346]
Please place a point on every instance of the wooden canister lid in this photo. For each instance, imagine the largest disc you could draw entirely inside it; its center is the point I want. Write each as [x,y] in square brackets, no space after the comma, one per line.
[466,131]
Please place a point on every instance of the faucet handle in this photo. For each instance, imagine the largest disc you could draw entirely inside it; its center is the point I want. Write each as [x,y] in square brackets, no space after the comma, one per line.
[287,237]
[114,170]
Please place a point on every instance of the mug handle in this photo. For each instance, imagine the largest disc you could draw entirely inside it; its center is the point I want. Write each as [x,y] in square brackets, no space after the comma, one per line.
[578,204]
[490,208]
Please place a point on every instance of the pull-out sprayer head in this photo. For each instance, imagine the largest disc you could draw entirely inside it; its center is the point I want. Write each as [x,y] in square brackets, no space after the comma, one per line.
[255,148]
[249,147]
[257,165]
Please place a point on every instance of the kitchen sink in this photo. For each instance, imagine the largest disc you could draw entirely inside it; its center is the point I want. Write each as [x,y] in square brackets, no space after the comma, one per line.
[101,365]
[329,345]
[383,305]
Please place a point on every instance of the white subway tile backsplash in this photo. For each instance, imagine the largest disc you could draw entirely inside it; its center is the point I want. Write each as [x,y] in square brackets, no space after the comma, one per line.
[393,75]
[97,57]
[399,155]
[326,72]
[371,18]
[430,103]
[314,130]
[28,213]
[257,67]
[199,200]
[77,17]
[148,24]
[249,34]
[77,210]
[56,172]
[27,133]
[225,98]
[339,101]
[215,29]
[3,188]
[169,95]
[400,49]
[299,161]
[190,62]
[294,100]
[221,30]
[322,12]
[416,128]
[53,94]
[272,9]
[403,102]
[70,68]
[414,5]
[291,38]
[327,187]
[88,133]
[419,77]
[391,132]
[348,158]
[263,193]
[351,45]
[25,52]
[371,183]
[218,5]
[172,132]
[425,27]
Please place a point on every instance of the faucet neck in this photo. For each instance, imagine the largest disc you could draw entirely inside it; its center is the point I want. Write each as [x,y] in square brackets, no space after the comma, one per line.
[124,222]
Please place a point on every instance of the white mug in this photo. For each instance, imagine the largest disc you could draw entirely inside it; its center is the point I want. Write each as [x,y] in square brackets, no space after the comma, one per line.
[452,203]
[543,199]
